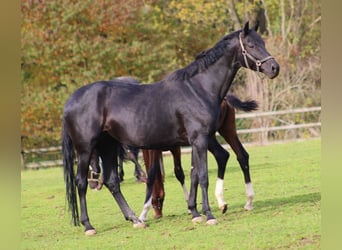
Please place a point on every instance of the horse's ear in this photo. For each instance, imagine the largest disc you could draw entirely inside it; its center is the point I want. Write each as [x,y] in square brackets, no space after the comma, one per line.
[246,28]
[256,26]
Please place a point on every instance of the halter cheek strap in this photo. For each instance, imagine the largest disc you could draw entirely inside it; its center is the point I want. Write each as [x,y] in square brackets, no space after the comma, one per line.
[245,54]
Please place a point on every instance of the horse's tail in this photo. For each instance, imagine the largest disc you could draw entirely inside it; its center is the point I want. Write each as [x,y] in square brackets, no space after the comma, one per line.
[69,175]
[247,106]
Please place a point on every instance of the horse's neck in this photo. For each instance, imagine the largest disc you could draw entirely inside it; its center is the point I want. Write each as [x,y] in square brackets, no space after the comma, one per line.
[228,79]
[217,79]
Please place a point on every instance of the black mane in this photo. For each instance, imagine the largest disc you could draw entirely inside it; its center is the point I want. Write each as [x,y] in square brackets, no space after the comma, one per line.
[203,60]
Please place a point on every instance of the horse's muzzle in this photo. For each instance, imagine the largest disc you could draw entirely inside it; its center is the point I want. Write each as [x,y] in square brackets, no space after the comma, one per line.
[275,68]
[272,69]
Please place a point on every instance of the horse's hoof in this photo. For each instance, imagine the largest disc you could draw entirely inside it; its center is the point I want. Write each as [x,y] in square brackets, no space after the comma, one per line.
[212,222]
[99,187]
[224,208]
[197,219]
[140,179]
[248,207]
[157,216]
[92,184]
[90,232]
[139,225]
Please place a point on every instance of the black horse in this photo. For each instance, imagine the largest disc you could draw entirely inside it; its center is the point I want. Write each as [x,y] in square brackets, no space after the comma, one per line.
[183,110]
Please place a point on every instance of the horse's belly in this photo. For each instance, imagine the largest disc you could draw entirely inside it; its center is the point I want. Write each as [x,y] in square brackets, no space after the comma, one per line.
[146,135]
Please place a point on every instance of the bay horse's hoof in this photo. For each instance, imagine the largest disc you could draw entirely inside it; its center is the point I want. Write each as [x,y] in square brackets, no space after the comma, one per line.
[90,232]
[212,222]
[157,216]
[224,208]
[139,225]
[197,219]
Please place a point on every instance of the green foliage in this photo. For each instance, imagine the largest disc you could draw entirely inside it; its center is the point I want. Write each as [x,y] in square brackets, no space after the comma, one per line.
[286,212]
[67,44]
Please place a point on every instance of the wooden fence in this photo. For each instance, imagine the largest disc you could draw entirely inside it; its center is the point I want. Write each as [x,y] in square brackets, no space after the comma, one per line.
[38,163]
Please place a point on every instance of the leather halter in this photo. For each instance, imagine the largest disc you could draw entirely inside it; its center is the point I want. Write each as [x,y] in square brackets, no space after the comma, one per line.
[245,54]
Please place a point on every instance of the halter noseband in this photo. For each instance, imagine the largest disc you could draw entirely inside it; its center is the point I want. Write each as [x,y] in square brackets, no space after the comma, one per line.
[245,54]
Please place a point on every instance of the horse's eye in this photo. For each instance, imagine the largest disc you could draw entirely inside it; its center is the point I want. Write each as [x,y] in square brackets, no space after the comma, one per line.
[249,43]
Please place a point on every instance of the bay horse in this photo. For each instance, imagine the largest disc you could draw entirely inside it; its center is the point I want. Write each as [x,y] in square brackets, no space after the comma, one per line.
[184,110]
[227,129]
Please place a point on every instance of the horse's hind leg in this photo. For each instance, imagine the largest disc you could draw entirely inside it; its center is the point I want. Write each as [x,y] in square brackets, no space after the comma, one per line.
[228,131]
[81,182]
[221,156]
[111,180]
[243,159]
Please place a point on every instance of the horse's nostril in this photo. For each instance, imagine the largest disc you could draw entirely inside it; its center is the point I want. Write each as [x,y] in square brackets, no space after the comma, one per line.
[275,68]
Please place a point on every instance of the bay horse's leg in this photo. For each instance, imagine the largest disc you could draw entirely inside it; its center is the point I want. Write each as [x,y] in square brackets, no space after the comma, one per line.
[178,170]
[221,156]
[199,175]
[243,159]
[108,152]
[228,132]
[81,182]
[147,204]
[155,187]
[158,191]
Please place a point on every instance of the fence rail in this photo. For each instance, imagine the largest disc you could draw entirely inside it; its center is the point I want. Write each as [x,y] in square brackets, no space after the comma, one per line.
[53,163]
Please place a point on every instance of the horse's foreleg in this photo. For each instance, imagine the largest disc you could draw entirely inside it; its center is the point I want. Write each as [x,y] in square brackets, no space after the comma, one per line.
[192,205]
[158,193]
[178,170]
[199,175]
[151,168]
[221,156]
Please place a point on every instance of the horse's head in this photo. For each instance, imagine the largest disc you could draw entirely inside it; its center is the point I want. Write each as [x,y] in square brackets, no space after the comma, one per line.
[254,54]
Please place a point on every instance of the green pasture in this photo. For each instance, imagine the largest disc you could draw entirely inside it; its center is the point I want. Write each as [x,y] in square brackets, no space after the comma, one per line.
[286,214]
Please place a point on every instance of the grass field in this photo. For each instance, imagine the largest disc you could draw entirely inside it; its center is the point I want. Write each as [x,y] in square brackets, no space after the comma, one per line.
[286,214]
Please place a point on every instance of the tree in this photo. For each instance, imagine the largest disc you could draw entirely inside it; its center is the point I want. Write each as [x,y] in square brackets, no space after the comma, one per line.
[65,46]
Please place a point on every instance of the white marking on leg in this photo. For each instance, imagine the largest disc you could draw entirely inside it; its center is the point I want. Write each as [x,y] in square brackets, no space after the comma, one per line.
[146,208]
[219,193]
[250,196]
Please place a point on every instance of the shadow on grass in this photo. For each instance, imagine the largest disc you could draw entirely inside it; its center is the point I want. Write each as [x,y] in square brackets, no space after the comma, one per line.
[290,200]
[261,206]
